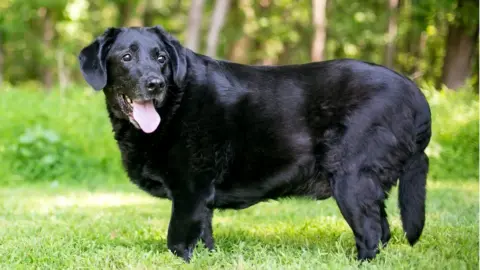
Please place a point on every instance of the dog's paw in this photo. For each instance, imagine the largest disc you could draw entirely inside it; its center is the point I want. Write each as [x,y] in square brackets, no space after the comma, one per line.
[181,251]
[365,255]
[208,242]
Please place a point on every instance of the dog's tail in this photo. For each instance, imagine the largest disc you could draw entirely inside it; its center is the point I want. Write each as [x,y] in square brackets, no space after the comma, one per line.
[413,181]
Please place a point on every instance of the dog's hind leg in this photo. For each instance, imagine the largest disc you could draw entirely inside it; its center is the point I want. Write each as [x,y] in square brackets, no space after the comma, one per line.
[359,197]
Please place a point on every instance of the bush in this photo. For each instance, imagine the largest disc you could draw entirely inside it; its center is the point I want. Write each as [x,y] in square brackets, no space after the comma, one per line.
[453,150]
[56,138]
[67,137]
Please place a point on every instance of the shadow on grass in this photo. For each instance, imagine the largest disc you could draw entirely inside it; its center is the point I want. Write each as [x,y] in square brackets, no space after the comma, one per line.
[236,241]
[234,236]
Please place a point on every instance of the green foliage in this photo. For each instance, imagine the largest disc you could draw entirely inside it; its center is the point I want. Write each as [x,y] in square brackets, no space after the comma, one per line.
[56,138]
[50,154]
[68,137]
[453,150]
[279,32]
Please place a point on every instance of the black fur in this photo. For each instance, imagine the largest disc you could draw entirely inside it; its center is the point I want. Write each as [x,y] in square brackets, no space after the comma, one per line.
[233,135]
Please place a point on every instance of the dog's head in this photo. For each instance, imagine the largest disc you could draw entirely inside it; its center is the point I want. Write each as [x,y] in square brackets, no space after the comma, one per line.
[137,68]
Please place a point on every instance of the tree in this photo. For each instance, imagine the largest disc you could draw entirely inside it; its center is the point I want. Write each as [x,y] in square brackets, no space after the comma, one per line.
[320,23]
[48,26]
[240,50]
[148,13]
[194,24]
[391,33]
[1,56]
[460,46]
[218,20]
[432,41]
[124,12]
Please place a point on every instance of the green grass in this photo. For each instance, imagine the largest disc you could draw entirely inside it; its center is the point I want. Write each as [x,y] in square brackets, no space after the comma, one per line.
[64,202]
[64,227]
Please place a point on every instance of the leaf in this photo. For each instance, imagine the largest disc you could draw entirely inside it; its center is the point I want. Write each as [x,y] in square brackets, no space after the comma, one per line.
[48,160]
[51,136]
[27,138]
[25,152]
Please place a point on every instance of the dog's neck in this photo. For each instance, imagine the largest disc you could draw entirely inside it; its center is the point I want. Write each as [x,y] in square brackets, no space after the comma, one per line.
[197,71]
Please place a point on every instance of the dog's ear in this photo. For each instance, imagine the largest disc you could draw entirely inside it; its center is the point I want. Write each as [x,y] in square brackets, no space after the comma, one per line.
[177,54]
[93,59]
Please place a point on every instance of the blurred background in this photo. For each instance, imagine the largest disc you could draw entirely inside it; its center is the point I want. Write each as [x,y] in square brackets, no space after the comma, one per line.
[432,41]
[54,128]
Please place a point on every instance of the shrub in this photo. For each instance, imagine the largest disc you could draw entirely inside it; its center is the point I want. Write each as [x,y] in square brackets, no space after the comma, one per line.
[453,150]
[56,137]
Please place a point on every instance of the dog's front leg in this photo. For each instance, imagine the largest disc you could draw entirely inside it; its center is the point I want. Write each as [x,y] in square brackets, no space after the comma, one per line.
[207,235]
[189,213]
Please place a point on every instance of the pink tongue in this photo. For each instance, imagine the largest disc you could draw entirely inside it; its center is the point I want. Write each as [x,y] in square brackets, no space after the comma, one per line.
[146,116]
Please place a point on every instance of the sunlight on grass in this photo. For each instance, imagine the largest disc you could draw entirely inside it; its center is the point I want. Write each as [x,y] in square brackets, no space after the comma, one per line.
[97,200]
[70,228]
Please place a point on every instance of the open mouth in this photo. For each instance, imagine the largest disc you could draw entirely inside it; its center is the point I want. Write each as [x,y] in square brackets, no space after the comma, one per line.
[141,113]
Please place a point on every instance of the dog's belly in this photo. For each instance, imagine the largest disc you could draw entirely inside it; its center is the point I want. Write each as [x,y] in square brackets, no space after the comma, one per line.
[233,200]
[236,189]
[239,197]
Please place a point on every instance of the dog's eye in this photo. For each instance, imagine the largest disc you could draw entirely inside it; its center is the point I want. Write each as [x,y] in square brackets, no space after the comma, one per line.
[161,59]
[127,57]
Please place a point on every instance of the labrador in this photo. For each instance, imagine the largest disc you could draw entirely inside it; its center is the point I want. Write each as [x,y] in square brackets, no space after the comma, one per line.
[212,134]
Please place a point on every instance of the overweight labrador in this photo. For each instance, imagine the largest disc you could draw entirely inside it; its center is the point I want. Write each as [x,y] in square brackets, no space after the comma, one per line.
[210,134]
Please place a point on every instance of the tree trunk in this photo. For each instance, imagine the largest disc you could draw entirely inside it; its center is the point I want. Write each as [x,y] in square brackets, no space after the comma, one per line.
[48,35]
[62,71]
[194,24]
[457,63]
[240,49]
[1,57]
[269,61]
[475,68]
[419,54]
[218,20]
[148,13]
[124,12]
[391,33]
[320,23]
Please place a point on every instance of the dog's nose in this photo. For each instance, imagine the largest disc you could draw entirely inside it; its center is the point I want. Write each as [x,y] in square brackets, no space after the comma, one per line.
[155,83]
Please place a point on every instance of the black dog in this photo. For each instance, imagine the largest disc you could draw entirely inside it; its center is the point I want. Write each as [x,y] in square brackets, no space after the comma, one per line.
[210,134]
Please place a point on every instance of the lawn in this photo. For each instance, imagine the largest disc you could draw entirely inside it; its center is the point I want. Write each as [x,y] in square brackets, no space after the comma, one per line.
[57,226]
